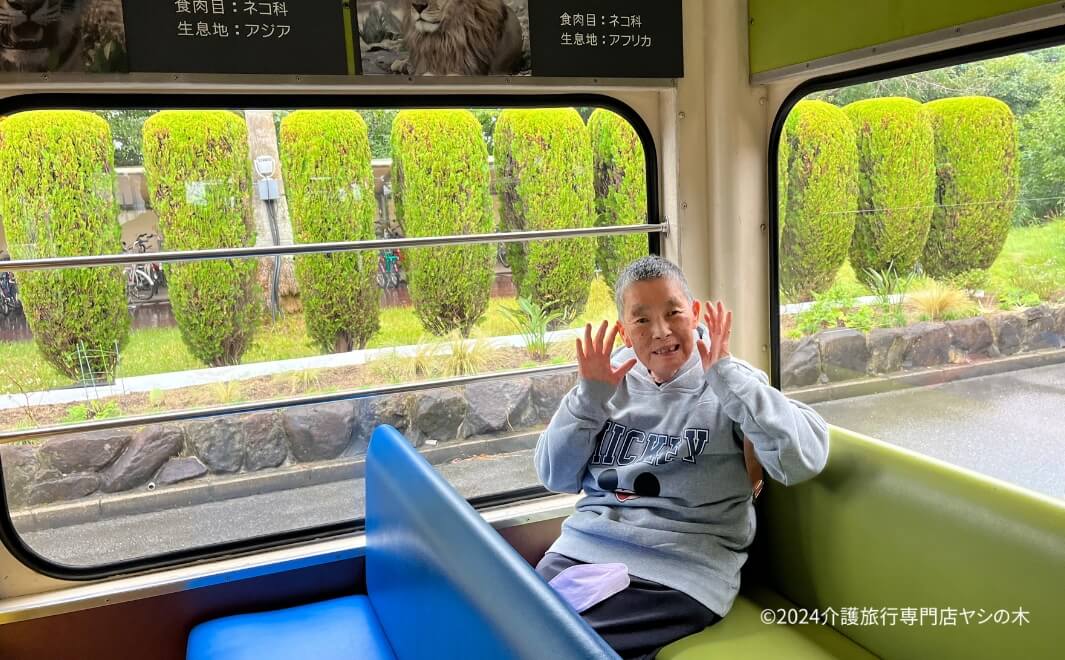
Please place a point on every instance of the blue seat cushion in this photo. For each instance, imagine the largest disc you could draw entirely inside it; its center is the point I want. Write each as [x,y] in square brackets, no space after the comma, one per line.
[330,630]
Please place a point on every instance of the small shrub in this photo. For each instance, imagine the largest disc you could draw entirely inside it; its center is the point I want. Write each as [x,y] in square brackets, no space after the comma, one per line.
[1014,298]
[977,183]
[426,362]
[532,321]
[544,171]
[391,369]
[198,172]
[227,391]
[890,290]
[56,199]
[822,196]
[302,381]
[861,319]
[976,279]
[837,308]
[330,191]
[465,357]
[620,190]
[829,310]
[95,409]
[896,184]
[940,301]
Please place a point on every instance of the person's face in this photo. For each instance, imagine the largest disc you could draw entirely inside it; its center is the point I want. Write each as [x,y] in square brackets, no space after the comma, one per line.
[659,325]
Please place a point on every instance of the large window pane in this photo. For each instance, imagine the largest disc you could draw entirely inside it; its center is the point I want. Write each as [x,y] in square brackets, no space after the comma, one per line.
[922,262]
[82,344]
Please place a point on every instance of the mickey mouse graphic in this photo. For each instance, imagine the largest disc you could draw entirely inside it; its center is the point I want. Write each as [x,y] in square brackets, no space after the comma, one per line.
[644,485]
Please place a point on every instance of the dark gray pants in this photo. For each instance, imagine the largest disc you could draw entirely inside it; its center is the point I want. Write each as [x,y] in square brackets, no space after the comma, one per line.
[643,618]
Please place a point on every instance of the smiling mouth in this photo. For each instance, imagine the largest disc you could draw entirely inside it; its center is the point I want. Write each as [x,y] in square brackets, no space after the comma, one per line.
[666,350]
[625,495]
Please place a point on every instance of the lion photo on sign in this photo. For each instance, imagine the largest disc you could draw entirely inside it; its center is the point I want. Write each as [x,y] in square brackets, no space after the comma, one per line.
[444,37]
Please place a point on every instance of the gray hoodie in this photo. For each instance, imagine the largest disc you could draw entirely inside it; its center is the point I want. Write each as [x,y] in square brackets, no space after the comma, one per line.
[665,484]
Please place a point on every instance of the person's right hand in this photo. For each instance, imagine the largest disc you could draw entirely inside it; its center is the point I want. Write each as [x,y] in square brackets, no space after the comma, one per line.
[593,356]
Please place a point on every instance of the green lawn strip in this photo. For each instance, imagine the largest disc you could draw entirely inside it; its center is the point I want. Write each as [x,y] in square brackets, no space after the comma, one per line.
[160,350]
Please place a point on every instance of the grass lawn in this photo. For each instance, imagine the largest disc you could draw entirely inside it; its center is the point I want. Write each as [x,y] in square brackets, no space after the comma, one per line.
[1029,271]
[160,350]
[1031,261]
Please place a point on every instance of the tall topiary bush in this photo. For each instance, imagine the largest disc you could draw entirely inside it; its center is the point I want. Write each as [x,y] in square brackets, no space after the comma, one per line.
[329,185]
[196,163]
[821,199]
[896,184]
[440,168]
[620,190]
[543,161]
[57,200]
[977,183]
[783,162]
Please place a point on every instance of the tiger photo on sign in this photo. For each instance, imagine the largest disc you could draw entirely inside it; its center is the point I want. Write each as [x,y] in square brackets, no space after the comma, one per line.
[444,37]
[62,35]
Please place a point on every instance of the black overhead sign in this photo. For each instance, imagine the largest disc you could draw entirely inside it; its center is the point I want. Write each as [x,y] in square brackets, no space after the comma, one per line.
[236,36]
[568,38]
[607,38]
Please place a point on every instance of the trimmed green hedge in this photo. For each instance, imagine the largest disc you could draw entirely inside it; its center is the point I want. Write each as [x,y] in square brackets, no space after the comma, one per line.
[57,199]
[783,162]
[441,175]
[330,190]
[198,172]
[896,184]
[620,190]
[976,192]
[543,162]
[822,196]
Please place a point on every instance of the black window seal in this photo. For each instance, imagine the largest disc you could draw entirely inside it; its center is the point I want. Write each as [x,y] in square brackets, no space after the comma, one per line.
[192,99]
[991,49]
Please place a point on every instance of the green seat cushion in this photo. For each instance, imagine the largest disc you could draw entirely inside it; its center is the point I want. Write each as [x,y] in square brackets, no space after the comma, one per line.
[741,634]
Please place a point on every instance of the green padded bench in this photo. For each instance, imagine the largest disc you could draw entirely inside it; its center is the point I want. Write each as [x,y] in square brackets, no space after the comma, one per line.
[883,527]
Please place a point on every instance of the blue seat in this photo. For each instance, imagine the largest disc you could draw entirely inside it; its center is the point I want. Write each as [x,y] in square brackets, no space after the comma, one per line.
[441,583]
[335,629]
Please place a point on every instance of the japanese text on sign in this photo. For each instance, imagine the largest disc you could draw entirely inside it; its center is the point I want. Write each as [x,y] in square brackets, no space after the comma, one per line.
[223,19]
[611,36]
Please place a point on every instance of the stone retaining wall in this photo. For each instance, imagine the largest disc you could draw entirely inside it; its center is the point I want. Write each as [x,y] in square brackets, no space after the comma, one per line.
[845,354]
[75,466]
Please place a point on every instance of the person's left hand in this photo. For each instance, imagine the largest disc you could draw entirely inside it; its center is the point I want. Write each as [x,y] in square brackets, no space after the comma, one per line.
[719,324]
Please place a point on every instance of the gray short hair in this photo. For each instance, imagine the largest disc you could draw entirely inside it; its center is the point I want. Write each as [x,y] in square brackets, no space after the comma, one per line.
[648,268]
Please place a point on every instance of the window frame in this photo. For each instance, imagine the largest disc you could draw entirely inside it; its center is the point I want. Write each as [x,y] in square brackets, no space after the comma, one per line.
[194,100]
[1020,43]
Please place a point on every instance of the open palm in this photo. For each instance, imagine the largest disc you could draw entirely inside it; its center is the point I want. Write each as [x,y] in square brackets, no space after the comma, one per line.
[719,322]
[593,356]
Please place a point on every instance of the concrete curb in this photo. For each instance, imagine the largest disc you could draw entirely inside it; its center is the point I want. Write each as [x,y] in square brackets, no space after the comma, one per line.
[180,379]
[215,489]
[930,376]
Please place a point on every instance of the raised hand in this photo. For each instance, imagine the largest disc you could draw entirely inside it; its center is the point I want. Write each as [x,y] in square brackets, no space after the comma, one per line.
[719,323]
[593,356]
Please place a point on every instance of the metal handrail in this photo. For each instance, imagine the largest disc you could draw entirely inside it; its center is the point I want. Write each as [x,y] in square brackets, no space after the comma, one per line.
[8,437]
[52,263]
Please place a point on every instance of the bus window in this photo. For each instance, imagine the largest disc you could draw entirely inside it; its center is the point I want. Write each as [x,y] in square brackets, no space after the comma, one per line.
[921,277]
[264,287]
